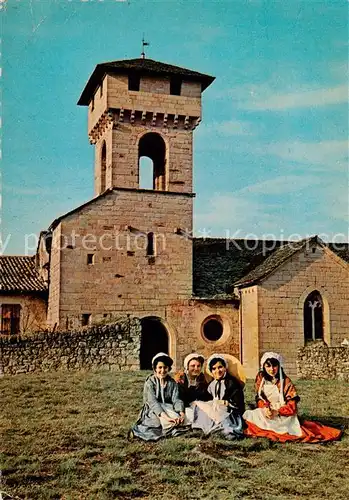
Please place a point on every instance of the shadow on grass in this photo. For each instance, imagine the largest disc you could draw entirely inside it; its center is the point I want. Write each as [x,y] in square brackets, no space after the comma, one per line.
[333,421]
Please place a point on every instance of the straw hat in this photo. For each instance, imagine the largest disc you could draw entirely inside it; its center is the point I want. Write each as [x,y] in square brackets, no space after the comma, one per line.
[234,367]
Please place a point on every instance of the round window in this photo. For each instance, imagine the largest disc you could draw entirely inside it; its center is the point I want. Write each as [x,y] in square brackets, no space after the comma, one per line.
[212,328]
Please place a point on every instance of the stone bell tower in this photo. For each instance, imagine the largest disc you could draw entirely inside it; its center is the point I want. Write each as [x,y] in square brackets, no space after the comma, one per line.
[141,107]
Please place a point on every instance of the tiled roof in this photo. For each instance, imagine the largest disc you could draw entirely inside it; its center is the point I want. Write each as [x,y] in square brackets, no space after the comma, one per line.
[18,274]
[142,66]
[219,264]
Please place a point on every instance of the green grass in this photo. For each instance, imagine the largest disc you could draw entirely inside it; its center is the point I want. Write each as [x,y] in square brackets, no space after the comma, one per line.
[63,436]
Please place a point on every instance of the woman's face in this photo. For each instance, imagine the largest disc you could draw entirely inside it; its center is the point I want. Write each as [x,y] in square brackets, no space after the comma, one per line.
[218,370]
[272,368]
[161,370]
[194,368]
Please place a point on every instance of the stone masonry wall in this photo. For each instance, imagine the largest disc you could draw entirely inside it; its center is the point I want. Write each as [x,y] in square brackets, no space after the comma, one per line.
[318,361]
[104,347]
[122,277]
[55,275]
[184,322]
[153,109]
[122,156]
[154,96]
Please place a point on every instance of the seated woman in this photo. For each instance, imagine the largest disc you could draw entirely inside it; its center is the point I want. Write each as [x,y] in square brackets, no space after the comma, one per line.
[223,413]
[192,383]
[162,414]
[276,415]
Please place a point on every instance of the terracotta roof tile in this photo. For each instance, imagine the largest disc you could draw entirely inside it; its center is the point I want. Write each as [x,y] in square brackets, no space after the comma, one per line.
[18,274]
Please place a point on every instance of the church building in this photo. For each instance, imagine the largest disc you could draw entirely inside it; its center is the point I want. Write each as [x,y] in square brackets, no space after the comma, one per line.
[130,249]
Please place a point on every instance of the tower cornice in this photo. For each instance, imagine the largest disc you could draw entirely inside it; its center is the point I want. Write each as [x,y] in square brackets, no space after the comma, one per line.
[114,117]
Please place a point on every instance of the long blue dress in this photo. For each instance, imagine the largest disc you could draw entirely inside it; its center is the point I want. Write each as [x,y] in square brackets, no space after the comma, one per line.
[156,400]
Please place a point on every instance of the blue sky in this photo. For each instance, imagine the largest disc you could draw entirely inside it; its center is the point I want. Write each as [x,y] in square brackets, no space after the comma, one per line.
[271,151]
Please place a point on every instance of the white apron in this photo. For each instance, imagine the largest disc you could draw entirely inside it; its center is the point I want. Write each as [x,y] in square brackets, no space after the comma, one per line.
[168,409]
[279,424]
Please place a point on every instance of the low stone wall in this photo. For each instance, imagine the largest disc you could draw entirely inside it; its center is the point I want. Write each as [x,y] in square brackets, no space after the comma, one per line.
[104,347]
[318,361]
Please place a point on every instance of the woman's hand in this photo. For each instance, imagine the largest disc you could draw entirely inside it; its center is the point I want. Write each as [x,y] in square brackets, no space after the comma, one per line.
[169,419]
[218,403]
[271,414]
[267,412]
[181,418]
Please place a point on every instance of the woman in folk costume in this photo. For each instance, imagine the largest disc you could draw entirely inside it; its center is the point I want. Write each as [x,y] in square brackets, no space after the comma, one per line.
[276,415]
[162,414]
[192,383]
[223,413]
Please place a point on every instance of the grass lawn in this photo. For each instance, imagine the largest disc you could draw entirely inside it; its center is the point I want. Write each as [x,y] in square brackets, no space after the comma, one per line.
[63,436]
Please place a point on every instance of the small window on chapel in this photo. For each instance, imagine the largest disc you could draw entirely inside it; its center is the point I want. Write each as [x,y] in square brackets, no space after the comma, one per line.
[134,80]
[175,86]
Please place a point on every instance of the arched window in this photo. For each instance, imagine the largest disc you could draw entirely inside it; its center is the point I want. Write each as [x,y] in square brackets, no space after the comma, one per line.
[153,146]
[103,165]
[313,317]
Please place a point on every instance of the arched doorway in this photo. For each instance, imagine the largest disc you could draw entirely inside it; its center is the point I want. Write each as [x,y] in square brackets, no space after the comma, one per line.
[313,317]
[154,339]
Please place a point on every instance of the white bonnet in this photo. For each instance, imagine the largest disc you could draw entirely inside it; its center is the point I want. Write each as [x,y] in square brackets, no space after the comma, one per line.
[190,357]
[161,355]
[271,355]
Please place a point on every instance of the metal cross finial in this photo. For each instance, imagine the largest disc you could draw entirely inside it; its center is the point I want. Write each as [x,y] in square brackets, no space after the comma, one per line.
[144,44]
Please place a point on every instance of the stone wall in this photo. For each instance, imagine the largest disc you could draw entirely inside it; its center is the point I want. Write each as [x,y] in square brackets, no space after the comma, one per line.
[122,277]
[113,346]
[184,323]
[318,361]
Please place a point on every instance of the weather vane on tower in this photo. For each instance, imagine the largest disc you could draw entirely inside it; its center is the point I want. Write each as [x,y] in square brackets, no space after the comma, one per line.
[144,44]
